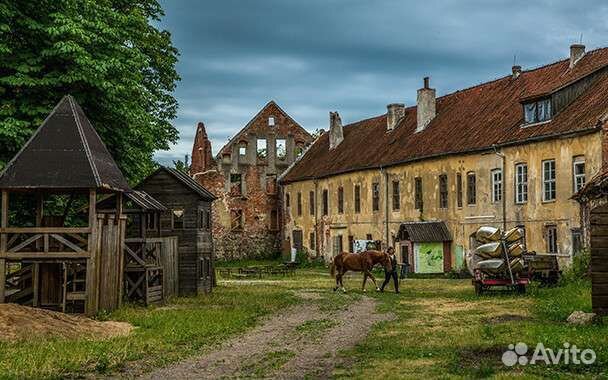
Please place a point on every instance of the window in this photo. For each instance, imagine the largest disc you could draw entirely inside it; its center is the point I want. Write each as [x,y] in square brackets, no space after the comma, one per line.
[471,189]
[271,121]
[287,200]
[337,245]
[236,220]
[375,196]
[274,220]
[151,221]
[178,219]
[521,183]
[369,237]
[396,195]
[418,193]
[351,244]
[262,148]
[204,219]
[548,180]
[496,185]
[271,184]
[357,199]
[236,184]
[312,241]
[443,191]
[325,202]
[242,150]
[459,189]
[578,172]
[281,148]
[340,200]
[299,149]
[551,237]
[577,241]
[299,204]
[537,111]
[311,203]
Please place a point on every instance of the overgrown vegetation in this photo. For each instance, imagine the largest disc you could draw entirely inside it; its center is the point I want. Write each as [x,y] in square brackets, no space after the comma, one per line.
[163,334]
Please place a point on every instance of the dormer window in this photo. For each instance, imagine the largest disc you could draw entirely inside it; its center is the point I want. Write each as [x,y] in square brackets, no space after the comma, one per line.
[271,121]
[537,111]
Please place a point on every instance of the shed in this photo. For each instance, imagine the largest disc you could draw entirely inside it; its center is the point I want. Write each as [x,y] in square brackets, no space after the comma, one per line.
[593,198]
[425,247]
[51,255]
[188,216]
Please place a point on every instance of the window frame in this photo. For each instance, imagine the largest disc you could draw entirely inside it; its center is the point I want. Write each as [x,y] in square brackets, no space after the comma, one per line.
[396,197]
[577,161]
[182,218]
[443,191]
[418,196]
[459,192]
[471,189]
[261,153]
[283,156]
[311,202]
[357,198]
[299,203]
[340,200]
[551,239]
[325,199]
[497,184]
[549,184]
[521,183]
[375,196]
[540,105]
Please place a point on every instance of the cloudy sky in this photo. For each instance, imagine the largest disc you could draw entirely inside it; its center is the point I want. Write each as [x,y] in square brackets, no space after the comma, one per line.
[354,56]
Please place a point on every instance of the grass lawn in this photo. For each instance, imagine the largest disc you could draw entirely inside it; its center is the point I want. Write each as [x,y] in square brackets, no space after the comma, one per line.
[441,329]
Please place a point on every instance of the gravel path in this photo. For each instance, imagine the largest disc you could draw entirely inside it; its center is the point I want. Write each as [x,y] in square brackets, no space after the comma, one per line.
[300,342]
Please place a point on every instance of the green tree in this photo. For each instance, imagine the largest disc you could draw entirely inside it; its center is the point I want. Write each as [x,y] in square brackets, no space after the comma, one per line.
[108,54]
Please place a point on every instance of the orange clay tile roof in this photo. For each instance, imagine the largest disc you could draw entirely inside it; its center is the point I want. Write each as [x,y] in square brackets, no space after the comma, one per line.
[473,119]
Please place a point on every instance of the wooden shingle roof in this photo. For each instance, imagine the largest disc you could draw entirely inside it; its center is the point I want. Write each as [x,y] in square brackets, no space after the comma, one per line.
[65,152]
[425,232]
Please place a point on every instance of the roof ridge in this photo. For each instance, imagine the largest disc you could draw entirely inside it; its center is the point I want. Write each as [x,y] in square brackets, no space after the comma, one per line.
[85,143]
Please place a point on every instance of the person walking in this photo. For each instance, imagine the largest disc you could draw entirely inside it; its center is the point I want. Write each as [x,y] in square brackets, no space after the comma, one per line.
[393,273]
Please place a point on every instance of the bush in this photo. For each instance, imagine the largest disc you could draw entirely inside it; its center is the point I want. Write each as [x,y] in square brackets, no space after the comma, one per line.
[579,269]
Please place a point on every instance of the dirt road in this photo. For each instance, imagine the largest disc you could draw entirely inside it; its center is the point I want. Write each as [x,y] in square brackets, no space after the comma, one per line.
[300,342]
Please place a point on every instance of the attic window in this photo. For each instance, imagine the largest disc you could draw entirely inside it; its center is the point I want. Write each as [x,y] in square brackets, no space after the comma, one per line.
[242,149]
[537,111]
[271,121]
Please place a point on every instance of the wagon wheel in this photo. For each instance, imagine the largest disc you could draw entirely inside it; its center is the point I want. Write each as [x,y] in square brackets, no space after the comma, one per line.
[478,288]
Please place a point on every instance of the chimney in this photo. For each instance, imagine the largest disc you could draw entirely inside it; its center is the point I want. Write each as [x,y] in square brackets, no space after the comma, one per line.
[395,112]
[576,52]
[335,130]
[516,70]
[425,110]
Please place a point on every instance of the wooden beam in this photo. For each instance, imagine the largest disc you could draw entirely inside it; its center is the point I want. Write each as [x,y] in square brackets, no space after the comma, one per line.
[43,255]
[92,282]
[35,283]
[3,243]
[45,230]
[65,241]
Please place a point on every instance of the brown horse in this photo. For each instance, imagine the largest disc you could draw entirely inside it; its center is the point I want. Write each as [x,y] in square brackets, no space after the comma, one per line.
[358,262]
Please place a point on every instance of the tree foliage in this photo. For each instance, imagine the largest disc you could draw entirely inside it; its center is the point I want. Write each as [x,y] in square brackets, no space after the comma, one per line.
[108,54]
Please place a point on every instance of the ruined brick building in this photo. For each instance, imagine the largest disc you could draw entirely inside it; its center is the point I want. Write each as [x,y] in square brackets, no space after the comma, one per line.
[424,177]
[243,176]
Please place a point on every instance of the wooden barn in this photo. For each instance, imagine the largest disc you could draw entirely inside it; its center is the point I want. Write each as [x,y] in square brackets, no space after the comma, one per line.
[150,259]
[593,198]
[52,253]
[188,216]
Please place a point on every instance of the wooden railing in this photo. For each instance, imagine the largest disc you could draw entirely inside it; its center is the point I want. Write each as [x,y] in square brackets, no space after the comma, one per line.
[45,242]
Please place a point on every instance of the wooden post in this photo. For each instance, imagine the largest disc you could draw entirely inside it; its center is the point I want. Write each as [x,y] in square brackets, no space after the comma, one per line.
[39,214]
[3,243]
[91,279]
[35,283]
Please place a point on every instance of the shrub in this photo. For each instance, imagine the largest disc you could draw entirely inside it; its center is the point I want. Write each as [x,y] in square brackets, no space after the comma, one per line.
[579,269]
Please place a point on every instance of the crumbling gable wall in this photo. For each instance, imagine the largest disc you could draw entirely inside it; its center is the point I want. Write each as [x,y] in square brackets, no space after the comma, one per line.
[246,215]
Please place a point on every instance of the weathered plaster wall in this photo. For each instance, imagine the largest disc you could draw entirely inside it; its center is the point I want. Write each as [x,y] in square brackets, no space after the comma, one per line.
[462,221]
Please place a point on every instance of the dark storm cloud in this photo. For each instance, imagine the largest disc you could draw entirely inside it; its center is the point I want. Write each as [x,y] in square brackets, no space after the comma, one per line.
[353,56]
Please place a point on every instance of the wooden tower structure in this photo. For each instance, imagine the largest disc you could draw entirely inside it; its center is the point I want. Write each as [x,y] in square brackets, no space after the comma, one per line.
[50,255]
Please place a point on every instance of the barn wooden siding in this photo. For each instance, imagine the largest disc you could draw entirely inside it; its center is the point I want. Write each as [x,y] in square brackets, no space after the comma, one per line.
[194,244]
[599,259]
[169,262]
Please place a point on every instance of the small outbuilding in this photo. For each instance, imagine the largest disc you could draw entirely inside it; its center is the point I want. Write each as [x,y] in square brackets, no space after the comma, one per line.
[187,216]
[593,198]
[425,247]
[52,253]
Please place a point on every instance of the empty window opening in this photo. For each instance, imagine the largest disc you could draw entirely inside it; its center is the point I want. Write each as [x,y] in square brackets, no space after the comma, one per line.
[262,148]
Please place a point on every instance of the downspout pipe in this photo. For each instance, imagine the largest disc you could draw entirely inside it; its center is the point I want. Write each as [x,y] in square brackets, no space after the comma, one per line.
[386,206]
[503,187]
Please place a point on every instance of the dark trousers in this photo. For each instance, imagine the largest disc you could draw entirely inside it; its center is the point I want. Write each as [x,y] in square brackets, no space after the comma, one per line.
[387,279]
